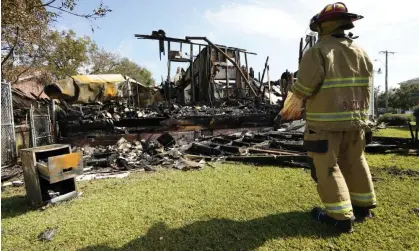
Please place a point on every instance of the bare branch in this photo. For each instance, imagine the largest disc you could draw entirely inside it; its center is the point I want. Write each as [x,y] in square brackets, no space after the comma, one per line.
[87,16]
[24,71]
[12,48]
[44,5]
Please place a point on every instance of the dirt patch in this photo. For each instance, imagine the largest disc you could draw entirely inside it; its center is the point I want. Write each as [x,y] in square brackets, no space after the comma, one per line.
[399,172]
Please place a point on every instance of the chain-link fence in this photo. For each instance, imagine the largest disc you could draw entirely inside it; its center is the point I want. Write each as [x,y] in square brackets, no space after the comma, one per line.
[8,145]
[40,126]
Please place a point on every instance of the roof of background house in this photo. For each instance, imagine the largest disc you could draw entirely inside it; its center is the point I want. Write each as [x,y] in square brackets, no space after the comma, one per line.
[23,100]
[410,81]
[31,85]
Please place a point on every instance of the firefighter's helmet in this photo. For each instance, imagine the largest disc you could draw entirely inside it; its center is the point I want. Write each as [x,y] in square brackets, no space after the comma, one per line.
[335,11]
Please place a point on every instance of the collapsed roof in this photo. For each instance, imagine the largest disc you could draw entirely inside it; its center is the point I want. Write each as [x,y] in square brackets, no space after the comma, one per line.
[87,89]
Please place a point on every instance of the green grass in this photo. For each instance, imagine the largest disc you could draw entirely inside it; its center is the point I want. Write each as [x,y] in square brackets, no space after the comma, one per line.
[393,160]
[396,132]
[231,207]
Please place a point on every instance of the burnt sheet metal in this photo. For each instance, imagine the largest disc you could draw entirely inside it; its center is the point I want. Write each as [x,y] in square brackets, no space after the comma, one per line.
[61,167]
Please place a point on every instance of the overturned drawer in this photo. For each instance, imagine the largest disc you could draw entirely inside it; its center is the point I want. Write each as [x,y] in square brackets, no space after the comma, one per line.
[61,167]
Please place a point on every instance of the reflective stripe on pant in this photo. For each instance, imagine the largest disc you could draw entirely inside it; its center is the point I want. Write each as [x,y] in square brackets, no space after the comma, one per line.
[343,176]
[355,169]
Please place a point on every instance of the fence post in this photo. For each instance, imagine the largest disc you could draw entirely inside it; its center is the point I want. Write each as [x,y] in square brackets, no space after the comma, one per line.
[32,125]
[50,127]
[8,146]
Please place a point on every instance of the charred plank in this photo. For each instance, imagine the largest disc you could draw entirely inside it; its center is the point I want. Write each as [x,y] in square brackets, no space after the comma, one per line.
[197,148]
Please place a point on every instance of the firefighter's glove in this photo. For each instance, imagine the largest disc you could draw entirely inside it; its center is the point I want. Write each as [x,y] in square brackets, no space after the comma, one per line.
[293,108]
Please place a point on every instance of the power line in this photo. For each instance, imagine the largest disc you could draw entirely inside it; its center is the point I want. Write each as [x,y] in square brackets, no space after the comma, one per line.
[386,93]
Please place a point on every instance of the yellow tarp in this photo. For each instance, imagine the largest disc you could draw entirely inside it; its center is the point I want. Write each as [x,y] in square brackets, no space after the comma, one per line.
[90,88]
[102,78]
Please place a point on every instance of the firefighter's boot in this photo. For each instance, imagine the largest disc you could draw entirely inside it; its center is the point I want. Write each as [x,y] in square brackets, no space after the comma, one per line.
[343,226]
[362,213]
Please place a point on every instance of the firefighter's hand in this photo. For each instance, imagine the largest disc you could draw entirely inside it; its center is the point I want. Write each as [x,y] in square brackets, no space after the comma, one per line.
[293,108]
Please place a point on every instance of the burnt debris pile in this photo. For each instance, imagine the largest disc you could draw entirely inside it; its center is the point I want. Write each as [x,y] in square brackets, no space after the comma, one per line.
[263,147]
[118,116]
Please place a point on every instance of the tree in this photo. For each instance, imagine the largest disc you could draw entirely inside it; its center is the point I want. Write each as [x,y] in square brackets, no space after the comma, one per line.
[400,97]
[102,62]
[24,24]
[381,98]
[131,69]
[65,53]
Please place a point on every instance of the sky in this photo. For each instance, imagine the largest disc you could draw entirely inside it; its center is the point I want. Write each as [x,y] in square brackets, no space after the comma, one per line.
[268,27]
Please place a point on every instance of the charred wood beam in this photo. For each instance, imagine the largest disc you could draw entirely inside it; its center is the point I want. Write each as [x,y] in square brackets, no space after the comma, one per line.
[221,141]
[300,51]
[231,137]
[287,135]
[270,160]
[252,140]
[263,76]
[97,162]
[233,149]
[285,161]
[240,143]
[192,76]
[139,122]
[379,148]
[262,136]
[227,81]
[271,151]
[288,145]
[187,41]
[197,148]
[230,149]
[103,155]
[391,140]
[247,66]
[216,122]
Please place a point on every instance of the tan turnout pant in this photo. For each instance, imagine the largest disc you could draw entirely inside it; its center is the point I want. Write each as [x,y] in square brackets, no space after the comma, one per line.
[341,171]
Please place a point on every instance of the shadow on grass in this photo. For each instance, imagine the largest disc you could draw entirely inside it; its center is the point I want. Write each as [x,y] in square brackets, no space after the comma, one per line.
[226,234]
[14,206]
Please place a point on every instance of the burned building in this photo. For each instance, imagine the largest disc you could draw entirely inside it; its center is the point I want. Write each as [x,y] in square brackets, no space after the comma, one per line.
[216,74]
[215,77]
[216,92]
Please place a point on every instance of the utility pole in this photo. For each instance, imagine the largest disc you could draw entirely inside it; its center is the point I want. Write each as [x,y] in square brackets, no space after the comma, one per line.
[386,91]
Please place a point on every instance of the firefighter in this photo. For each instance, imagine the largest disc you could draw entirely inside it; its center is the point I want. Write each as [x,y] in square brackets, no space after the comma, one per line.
[334,81]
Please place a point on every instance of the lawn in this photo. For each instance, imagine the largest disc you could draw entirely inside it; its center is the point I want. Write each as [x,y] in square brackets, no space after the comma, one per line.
[397,132]
[229,207]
